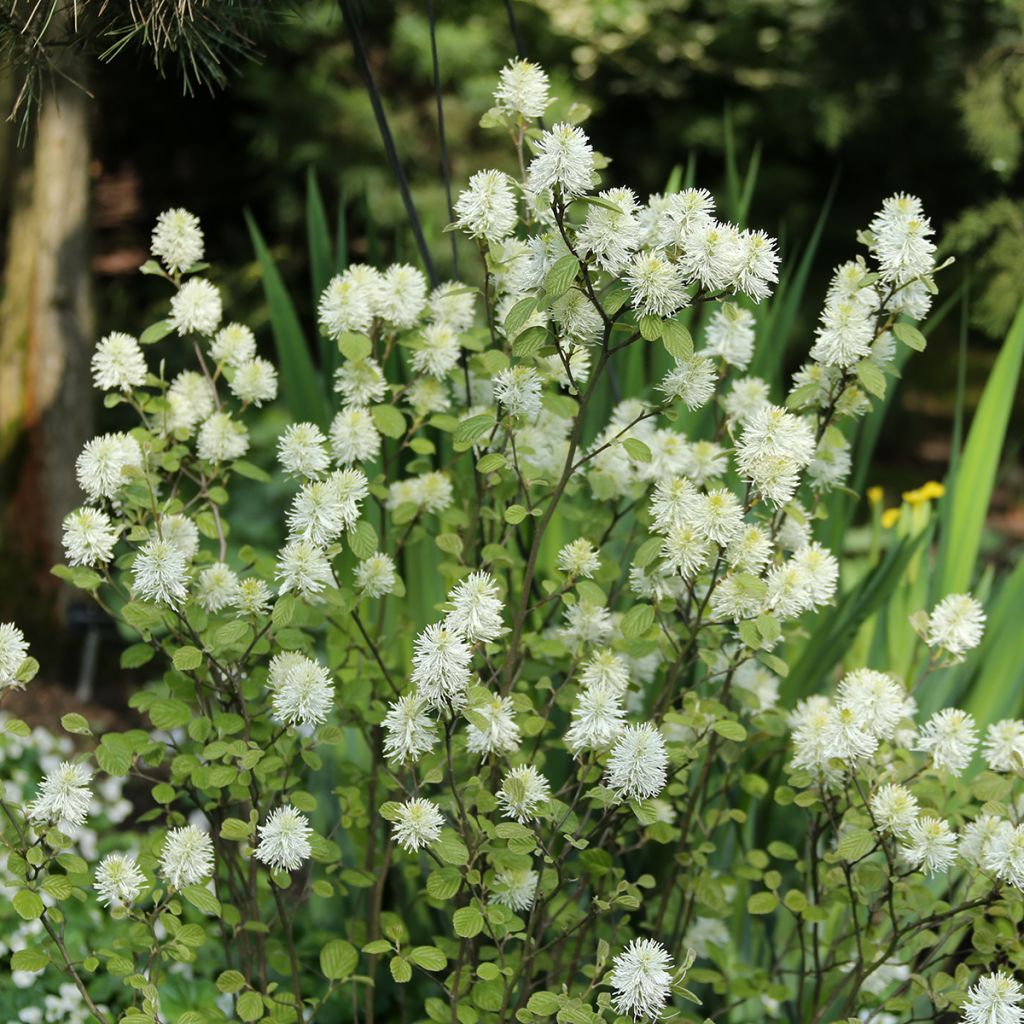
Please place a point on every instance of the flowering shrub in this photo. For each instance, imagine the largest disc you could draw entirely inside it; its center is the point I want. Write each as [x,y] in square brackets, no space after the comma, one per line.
[570,791]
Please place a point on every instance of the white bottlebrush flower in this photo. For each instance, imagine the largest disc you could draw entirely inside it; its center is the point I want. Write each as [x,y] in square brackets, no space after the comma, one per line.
[302,451]
[730,335]
[576,316]
[233,345]
[252,597]
[877,700]
[750,550]
[403,295]
[453,304]
[514,888]
[106,463]
[673,503]
[522,90]
[284,840]
[89,537]
[180,531]
[63,797]
[187,856]
[744,398]
[641,979]
[606,668]
[703,461]
[222,439]
[819,572]
[425,395]
[690,380]
[177,240]
[217,587]
[976,838]
[190,400]
[637,764]
[118,363]
[119,881]
[476,608]
[196,307]
[813,726]
[318,513]
[587,623]
[1004,746]
[524,791]
[758,263]
[950,737]
[302,690]
[1004,854]
[655,284]
[354,436]
[492,728]
[417,824]
[254,382]
[929,844]
[486,208]
[611,235]
[518,389]
[303,568]
[894,809]
[597,718]
[438,353]
[409,732]
[956,624]
[564,160]
[360,381]
[376,576]
[718,515]
[349,302]
[902,239]
[440,667]
[578,559]
[685,550]
[832,462]
[160,572]
[13,651]
[844,335]
[994,999]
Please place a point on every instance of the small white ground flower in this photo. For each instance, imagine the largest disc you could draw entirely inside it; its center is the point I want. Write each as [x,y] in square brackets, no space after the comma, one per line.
[196,307]
[497,732]
[655,284]
[376,576]
[418,824]
[13,651]
[514,888]
[524,791]
[354,436]
[1004,746]
[440,667]
[486,209]
[180,531]
[302,450]
[360,381]
[950,737]
[177,240]
[233,345]
[118,363]
[929,844]
[63,797]
[637,765]
[89,537]
[476,608]
[252,597]
[518,389]
[217,587]
[956,624]
[691,380]
[564,159]
[894,809]
[119,881]
[641,979]
[254,382]
[597,718]
[303,568]
[284,840]
[106,463]
[222,439]
[409,732]
[302,690]
[187,856]
[1004,854]
[160,572]
[522,90]
[994,999]
[578,559]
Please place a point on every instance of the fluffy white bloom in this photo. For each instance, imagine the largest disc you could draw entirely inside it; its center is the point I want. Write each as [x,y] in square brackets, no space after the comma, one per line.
[196,307]
[757,264]
[160,572]
[222,439]
[426,395]
[360,381]
[409,731]
[750,549]
[418,823]
[403,294]
[284,840]
[13,651]
[611,235]
[301,450]
[673,503]
[819,572]
[217,587]
[118,363]
[737,596]
[492,728]
[187,856]
[956,624]
[252,597]
[476,608]
[579,320]
[1004,854]
[323,509]
[233,345]
[746,396]
[685,550]
[354,436]
[605,668]
[876,699]
[637,764]
[894,809]
[119,882]
[190,400]
[1004,746]
[902,239]
[518,389]
[655,284]
[976,838]
[691,380]
[773,448]
[844,335]
[514,888]
[63,797]
[453,304]
[440,667]
[641,979]
[587,623]
[89,537]
[718,515]
[579,559]
[106,463]
[254,382]
[950,737]
[730,335]
[523,792]
[564,159]
[177,240]
[303,567]
[431,492]
[349,302]
[522,90]
[832,462]
[929,844]
[302,689]
[597,718]
[376,576]
[486,208]
[994,999]
[711,253]
[438,353]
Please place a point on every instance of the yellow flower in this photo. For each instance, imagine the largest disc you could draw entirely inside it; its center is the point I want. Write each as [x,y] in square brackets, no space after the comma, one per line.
[876,495]
[890,517]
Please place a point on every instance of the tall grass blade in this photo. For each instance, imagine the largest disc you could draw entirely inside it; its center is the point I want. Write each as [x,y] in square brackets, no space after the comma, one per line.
[321,262]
